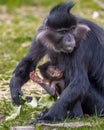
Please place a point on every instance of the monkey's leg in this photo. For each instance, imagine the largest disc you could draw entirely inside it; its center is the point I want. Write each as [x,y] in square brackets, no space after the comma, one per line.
[76,111]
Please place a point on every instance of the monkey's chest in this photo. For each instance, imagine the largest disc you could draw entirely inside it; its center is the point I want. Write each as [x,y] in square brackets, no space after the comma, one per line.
[65,65]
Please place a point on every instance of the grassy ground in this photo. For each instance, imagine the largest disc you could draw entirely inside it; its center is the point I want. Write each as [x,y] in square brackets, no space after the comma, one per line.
[17,29]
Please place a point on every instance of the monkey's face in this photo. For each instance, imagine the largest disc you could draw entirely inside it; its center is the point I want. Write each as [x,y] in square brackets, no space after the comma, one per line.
[54,73]
[60,40]
[63,39]
[61,31]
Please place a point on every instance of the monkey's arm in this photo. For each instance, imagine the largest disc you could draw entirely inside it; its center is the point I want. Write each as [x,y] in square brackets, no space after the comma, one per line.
[50,90]
[25,66]
[35,78]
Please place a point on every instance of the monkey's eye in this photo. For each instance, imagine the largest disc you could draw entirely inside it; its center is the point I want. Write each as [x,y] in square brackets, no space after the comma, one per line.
[66,30]
[72,28]
[62,31]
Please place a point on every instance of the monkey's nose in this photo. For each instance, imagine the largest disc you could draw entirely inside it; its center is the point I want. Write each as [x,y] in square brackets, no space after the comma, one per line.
[69,40]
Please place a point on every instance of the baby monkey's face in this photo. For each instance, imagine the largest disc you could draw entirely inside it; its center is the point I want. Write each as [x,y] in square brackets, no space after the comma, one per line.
[54,72]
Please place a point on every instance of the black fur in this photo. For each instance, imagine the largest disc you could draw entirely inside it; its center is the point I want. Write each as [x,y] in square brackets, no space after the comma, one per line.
[83,66]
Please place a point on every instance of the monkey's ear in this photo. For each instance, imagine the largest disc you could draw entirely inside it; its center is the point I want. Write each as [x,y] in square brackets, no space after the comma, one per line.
[81,31]
[82,28]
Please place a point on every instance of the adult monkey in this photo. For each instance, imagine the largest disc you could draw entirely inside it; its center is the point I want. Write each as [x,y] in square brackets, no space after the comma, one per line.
[85,59]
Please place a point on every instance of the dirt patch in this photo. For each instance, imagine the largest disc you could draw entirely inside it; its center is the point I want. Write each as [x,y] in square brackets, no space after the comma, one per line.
[29,89]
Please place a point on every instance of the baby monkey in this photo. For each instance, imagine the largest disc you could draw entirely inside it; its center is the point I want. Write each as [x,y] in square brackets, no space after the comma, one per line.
[53,76]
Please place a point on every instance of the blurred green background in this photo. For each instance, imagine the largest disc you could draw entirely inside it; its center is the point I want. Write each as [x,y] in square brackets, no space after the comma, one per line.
[19,20]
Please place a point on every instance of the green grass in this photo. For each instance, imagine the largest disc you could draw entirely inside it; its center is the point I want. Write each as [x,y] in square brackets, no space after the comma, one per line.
[28,113]
[18,3]
[18,24]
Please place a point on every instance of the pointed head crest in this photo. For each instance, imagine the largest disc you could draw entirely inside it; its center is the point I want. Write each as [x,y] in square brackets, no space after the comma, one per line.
[63,7]
[60,16]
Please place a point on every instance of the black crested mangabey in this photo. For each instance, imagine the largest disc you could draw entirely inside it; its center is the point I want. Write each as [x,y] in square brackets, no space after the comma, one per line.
[75,46]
